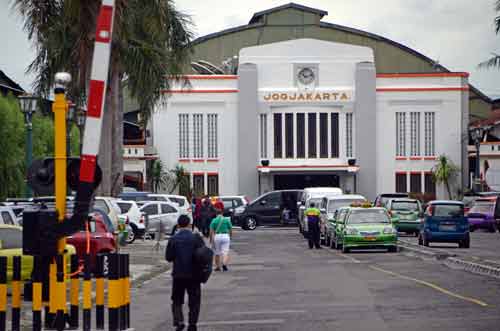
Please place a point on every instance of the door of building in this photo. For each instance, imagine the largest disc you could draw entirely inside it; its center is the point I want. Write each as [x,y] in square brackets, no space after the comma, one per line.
[301,181]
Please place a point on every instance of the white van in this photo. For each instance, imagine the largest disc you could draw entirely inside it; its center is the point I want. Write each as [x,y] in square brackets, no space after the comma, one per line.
[316,195]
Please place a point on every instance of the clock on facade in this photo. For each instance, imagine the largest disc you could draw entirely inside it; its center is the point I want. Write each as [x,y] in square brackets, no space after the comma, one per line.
[306,76]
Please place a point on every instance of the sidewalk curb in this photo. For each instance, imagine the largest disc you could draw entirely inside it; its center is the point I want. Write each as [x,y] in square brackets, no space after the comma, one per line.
[452,261]
[155,271]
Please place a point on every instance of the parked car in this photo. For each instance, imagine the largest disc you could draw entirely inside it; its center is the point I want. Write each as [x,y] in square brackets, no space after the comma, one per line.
[102,241]
[266,209]
[313,194]
[484,214]
[11,244]
[382,199]
[406,214]
[231,203]
[444,221]
[132,215]
[332,205]
[108,204]
[161,216]
[181,201]
[468,201]
[135,195]
[360,227]
[7,216]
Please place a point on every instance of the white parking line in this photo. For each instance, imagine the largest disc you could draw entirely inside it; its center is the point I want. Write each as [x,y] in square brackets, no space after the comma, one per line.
[241,322]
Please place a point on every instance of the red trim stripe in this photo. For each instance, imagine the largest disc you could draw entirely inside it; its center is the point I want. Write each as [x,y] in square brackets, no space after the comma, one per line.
[103,29]
[422,89]
[401,158]
[96,94]
[198,173]
[198,160]
[400,172]
[213,160]
[213,173]
[201,91]
[184,160]
[415,172]
[430,158]
[415,158]
[428,74]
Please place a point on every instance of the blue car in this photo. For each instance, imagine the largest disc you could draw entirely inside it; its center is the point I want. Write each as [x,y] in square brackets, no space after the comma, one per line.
[444,221]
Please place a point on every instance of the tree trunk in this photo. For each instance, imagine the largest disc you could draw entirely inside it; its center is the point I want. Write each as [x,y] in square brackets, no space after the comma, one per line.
[447,184]
[117,147]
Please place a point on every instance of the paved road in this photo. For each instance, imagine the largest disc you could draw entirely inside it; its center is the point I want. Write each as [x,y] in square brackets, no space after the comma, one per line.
[484,246]
[275,283]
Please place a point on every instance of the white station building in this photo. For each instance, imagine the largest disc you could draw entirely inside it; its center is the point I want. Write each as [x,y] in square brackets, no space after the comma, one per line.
[308,112]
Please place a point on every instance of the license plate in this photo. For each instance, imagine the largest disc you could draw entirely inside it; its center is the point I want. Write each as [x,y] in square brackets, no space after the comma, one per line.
[370,238]
[447,227]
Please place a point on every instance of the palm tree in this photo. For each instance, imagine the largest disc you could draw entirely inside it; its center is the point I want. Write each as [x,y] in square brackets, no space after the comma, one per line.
[159,178]
[151,39]
[494,62]
[444,172]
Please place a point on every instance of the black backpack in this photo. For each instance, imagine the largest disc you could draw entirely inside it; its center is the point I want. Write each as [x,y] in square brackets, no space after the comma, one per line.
[203,257]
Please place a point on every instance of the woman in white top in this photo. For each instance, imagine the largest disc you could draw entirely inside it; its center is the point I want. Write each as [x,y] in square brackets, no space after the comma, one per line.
[221,232]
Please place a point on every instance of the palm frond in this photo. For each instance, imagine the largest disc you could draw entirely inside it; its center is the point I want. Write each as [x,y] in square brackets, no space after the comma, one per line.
[493,62]
[497,19]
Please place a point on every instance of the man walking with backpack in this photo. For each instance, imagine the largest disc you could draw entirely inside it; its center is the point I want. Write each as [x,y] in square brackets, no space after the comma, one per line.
[188,272]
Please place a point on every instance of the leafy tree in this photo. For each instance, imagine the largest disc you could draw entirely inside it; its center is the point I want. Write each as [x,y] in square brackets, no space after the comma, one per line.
[159,177]
[150,40]
[12,135]
[43,136]
[494,61]
[444,172]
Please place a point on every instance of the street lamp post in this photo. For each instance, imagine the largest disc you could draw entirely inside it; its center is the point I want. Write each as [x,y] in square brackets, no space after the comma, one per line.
[28,107]
[477,135]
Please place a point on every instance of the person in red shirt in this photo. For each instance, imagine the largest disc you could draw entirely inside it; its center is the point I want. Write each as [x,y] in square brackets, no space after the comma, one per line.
[219,205]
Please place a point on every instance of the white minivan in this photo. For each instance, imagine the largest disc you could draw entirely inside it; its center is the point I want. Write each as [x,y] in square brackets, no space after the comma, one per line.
[315,195]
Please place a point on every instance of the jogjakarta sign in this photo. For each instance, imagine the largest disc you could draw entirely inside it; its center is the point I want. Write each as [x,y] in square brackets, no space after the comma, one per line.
[341,96]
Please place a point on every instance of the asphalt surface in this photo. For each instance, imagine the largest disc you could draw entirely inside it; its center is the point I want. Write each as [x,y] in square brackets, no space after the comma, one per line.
[276,283]
[484,246]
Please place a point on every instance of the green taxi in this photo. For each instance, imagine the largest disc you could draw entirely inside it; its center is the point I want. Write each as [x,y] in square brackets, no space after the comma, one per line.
[364,227]
[406,215]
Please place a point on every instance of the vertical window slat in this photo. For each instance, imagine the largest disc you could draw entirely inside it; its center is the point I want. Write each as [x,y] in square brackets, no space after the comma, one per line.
[348,135]
[335,134]
[323,135]
[312,135]
[278,134]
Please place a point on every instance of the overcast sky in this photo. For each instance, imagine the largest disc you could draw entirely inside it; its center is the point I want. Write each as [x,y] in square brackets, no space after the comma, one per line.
[457,33]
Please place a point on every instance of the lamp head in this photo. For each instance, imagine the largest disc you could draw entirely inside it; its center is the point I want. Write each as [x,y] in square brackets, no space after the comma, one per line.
[62,79]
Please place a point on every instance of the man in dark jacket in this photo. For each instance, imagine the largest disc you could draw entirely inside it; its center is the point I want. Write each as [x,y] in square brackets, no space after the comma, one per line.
[207,213]
[180,251]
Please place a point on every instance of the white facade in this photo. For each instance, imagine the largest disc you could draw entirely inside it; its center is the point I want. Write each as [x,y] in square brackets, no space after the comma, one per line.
[309,112]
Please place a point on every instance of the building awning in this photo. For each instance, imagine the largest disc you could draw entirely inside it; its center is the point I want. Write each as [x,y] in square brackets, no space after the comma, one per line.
[307,168]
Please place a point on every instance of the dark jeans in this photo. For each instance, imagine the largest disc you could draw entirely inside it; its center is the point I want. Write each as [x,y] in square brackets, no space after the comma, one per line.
[313,234]
[205,226]
[193,288]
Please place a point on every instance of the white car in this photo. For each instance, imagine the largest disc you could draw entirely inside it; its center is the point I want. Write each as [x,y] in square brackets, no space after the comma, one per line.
[161,216]
[7,216]
[109,206]
[132,215]
[315,195]
[181,201]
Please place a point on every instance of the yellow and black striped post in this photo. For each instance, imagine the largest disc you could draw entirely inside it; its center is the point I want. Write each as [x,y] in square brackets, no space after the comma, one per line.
[37,293]
[99,293]
[51,315]
[122,292]
[75,292]
[87,300]
[126,267]
[3,292]
[16,293]
[61,294]
[113,292]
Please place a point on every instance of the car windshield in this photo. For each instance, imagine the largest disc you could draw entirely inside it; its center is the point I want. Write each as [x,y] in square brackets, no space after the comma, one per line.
[178,201]
[448,210]
[368,216]
[483,207]
[405,205]
[124,207]
[333,205]
[316,201]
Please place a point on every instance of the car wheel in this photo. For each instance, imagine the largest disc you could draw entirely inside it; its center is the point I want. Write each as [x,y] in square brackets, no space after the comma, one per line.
[250,223]
[471,229]
[492,229]
[464,243]
[132,234]
[345,249]
[328,241]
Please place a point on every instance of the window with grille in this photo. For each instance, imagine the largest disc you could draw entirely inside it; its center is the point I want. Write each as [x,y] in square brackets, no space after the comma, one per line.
[263,136]
[213,184]
[183,136]
[289,135]
[323,135]
[429,133]
[334,128]
[416,183]
[198,136]
[401,183]
[415,133]
[348,134]
[199,184]
[400,134]
[301,136]
[278,136]
[311,139]
[213,150]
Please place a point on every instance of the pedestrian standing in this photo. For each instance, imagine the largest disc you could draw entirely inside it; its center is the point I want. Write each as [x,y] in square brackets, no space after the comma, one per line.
[180,250]
[207,213]
[221,232]
[314,226]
